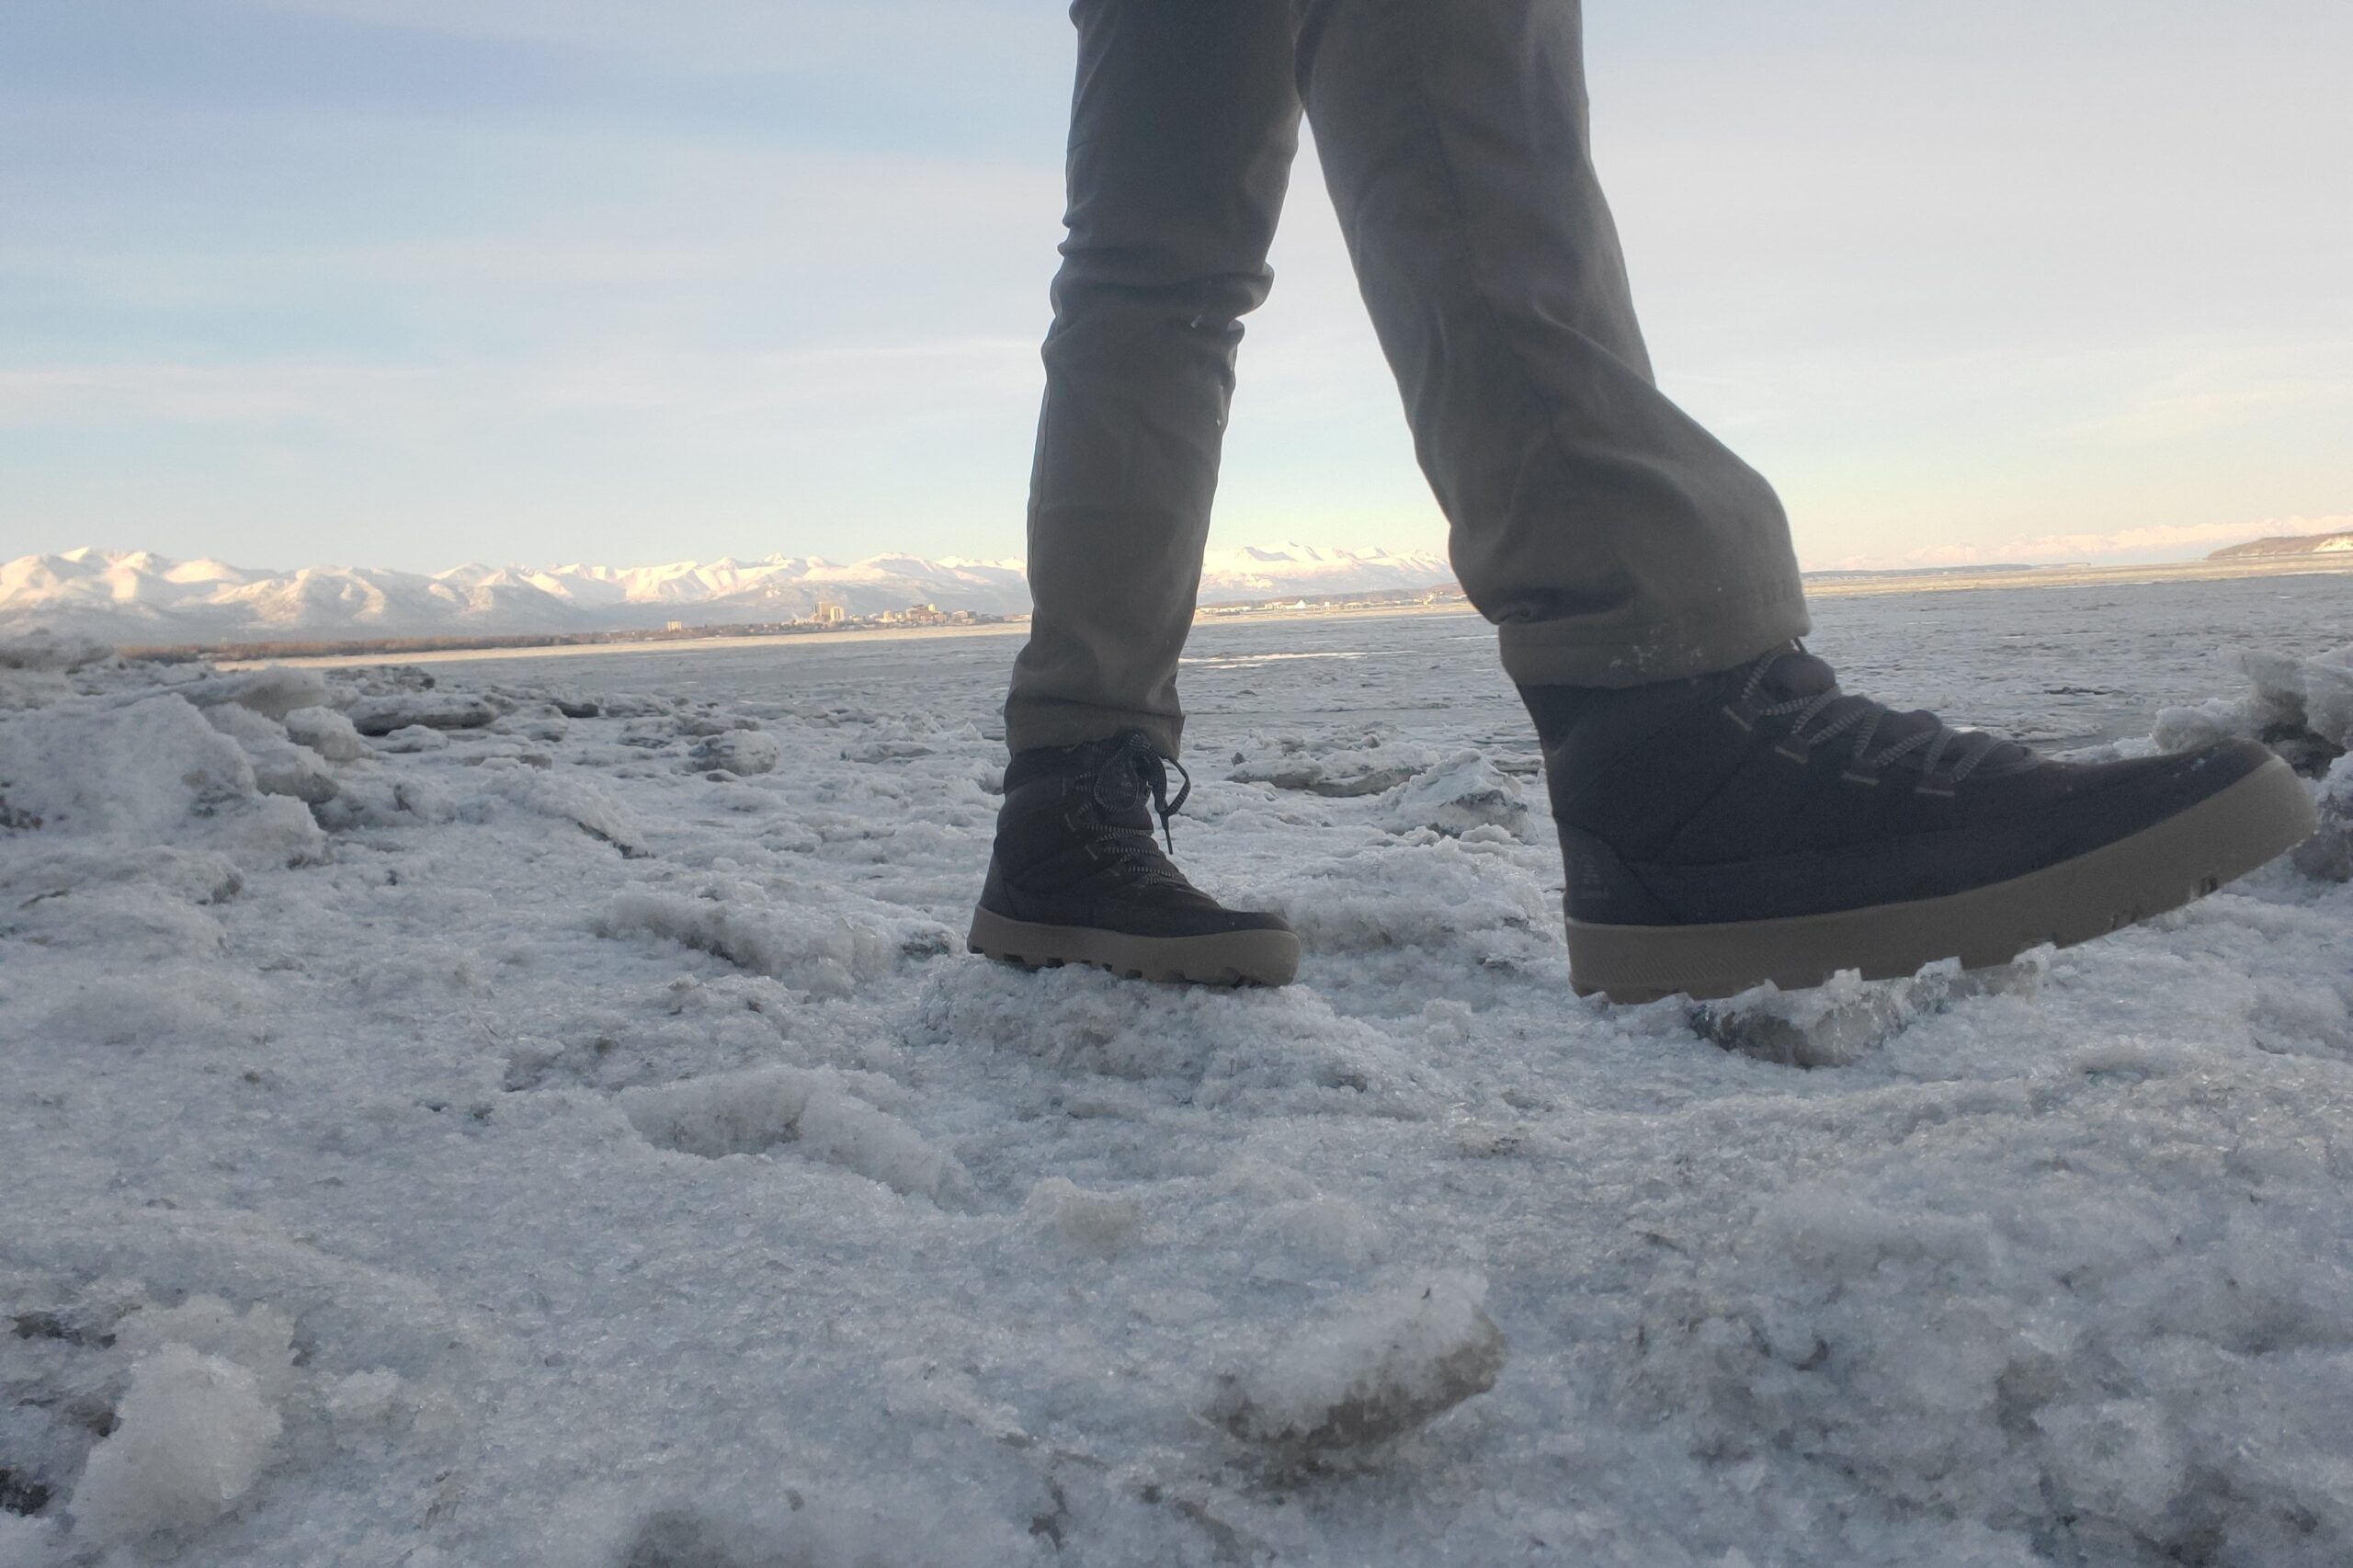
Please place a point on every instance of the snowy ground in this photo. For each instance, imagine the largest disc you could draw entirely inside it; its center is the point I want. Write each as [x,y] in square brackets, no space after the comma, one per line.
[563,1127]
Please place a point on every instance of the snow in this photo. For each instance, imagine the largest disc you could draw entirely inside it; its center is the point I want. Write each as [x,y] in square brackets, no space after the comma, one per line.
[754,1111]
[546,1147]
[1377,1370]
[273,693]
[189,1441]
[327,732]
[738,752]
[143,774]
[1102,1223]
[2328,853]
[42,649]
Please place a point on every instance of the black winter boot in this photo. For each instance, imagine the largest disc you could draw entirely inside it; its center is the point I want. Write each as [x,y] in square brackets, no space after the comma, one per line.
[1077,877]
[1760,825]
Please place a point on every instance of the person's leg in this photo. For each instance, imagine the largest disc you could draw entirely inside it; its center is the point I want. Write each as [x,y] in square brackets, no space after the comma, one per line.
[1182,132]
[1727,815]
[1183,128]
[1611,538]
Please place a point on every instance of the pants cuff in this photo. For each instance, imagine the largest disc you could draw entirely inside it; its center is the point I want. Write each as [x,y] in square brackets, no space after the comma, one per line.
[1029,726]
[1538,653]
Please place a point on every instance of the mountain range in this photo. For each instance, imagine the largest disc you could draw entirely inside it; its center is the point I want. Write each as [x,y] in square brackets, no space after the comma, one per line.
[137,596]
[2289,544]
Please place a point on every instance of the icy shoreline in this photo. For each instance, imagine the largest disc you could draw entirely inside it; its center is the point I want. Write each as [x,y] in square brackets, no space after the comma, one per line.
[494,1122]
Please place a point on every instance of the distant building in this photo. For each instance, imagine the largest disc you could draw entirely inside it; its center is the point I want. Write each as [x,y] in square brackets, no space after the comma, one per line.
[830,613]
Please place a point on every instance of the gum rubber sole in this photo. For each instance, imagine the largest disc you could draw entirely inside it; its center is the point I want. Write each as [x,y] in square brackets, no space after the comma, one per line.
[2160,867]
[1227,958]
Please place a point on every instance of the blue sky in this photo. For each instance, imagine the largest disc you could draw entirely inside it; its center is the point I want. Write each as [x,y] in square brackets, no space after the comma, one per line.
[409,282]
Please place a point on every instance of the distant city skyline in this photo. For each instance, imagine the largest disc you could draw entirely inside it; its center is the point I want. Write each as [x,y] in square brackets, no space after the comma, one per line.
[415,282]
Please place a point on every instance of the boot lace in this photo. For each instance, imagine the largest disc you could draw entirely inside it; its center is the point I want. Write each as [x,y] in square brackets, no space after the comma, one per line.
[1833,713]
[1131,774]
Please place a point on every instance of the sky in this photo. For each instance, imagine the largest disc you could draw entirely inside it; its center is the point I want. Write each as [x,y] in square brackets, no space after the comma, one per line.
[413,282]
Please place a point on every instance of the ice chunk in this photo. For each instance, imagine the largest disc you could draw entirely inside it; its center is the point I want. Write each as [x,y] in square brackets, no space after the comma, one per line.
[1378,1369]
[411,738]
[140,901]
[191,1440]
[2328,853]
[382,715]
[1102,1223]
[273,693]
[741,752]
[276,830]
[1828,1026]
[548,728]
[280,767]
[51,652]
[700,724]
[326,731]
[361,1401]
[1375,763]
[1463,792]
[241,724]
[150,771]
[580,800]
[723,1113]
[2302,708]
[387,802]
[1835,1023]
[822,950]
[141,770]
[878,1146]
[138,925]
[755,1110]
[78,867]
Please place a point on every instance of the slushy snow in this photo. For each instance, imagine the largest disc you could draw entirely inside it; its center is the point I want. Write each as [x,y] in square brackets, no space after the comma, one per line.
[540,1111]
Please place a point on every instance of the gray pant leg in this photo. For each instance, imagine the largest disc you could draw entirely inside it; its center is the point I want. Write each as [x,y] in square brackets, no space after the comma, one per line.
[1613,539]
[1183,128]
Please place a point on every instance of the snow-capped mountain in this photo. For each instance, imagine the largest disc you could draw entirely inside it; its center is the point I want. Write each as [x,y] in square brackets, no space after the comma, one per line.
[2290,544]
[133,597]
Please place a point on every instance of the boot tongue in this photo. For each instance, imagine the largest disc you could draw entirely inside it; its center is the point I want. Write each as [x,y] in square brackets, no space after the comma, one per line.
[1799,673]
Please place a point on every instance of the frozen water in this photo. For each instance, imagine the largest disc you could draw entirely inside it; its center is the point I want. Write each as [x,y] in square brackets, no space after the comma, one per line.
[2328,853]
[739,751]
[189,1441]
[326,731]
[394,711]
[50,652]
[540,1141]
[2303,707]
[273,693]
[1376,1370]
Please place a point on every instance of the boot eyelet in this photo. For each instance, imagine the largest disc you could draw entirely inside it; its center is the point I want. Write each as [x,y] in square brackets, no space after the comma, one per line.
[1801,755]
[1738,716]
[1851,776]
